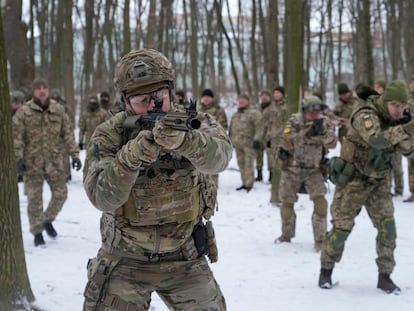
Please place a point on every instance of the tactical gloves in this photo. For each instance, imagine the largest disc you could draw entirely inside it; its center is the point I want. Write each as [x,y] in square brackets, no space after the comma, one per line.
[257,145]
[141,149]
[283,154]
[317,128]
[21,167]
[76,164]
[167,137]
[406,117]
[409,128]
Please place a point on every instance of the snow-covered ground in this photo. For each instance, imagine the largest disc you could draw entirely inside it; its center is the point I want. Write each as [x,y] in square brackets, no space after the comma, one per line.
[253,272]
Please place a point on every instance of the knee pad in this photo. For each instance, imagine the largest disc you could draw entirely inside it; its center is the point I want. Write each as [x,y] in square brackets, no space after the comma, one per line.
[320,206]
[388,231]
[287,211]
[337,237]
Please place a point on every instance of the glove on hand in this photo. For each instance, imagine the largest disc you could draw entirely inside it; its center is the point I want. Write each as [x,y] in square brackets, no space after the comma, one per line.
[76,164]
[21,167]
[283,154]
[406,117]
[268,144]
[409,128]
[80,145]
[316,129]
[167,137]
[141,149]
[257,145]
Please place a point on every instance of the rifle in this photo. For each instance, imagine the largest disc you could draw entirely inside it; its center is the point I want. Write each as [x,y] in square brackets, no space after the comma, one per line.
[180,121]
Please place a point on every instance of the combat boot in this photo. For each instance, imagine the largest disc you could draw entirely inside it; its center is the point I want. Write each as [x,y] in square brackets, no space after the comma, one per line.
[259,175]
[270,176]
[386,284]
[325,278]
[38,240]
[50,230]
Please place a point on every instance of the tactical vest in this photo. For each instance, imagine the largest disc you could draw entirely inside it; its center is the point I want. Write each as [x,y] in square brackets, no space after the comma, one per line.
[368,161]
[165,204]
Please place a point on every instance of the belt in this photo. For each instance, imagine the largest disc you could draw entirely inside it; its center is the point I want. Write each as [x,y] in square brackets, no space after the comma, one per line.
[148,257]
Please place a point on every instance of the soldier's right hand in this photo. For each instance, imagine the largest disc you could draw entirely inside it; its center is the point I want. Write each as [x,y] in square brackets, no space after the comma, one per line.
[21,167]
[141,149]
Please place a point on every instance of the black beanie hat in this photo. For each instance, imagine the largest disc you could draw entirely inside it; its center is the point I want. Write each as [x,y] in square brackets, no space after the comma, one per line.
[343,88]
[207,92]
[279,88]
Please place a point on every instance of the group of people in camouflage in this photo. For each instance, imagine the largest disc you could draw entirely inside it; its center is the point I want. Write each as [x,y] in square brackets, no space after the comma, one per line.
[156,181]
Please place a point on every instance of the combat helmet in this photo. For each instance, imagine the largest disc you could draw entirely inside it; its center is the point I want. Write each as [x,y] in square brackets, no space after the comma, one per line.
[143,71]
[311,103]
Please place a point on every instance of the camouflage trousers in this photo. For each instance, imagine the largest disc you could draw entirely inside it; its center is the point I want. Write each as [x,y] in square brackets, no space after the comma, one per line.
[127,284]
[397,173]
[270,154]
[375,195]
[411,174]
[34,190]
[245,160]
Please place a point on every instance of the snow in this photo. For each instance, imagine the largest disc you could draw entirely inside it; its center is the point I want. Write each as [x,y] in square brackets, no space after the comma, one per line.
[252,271]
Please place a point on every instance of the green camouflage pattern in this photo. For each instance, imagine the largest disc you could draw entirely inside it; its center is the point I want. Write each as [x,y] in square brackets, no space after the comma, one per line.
[216,111]
[411,160]
[343,110]
[139,217]
[38,139]
[371,132]
[246,126]
[88,121]
[132,283]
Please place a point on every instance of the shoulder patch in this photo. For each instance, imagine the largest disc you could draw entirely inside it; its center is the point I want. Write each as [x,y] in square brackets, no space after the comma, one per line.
[287,130]
[368,123]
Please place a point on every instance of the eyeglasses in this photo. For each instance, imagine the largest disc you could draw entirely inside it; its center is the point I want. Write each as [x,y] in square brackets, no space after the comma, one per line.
[158,95]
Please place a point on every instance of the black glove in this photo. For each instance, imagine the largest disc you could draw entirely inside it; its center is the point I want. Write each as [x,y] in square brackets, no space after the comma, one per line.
[283,154]
[257,145]
[81,146]
[76,164]
[316,129]
[21,167]
[268,144]
[406,117]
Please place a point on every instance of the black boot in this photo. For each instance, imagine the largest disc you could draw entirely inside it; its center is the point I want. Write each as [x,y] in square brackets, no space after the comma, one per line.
[38,240]
[325,278]
[241,188]
[386,284]
[259,175]
[270,176]
[50,230]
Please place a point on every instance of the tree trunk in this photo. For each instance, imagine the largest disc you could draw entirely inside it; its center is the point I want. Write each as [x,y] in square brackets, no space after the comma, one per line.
[15,290]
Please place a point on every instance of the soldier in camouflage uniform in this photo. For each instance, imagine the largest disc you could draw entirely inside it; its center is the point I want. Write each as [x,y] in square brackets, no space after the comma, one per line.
[411,161]
[302,149]
[246,134]
[277,124]
[378,128]
[41,127]
[17,101]
[211,106]
[89,120]
[150,186]
[343,109]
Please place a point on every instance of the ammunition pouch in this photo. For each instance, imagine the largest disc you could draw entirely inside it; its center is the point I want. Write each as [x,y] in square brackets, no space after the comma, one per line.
[99,270]
[340,171]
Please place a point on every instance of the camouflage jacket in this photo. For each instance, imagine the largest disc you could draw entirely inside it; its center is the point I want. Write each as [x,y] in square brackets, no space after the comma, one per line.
[372,139]
[39,136]
[411,104]
[274,119]
[216,111]
[305,152]
[156,207]
[344,110]
[246,126]
[88,121]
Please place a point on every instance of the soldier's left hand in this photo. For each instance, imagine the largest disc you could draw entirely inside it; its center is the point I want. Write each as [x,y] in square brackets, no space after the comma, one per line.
[76,164]
[167,137]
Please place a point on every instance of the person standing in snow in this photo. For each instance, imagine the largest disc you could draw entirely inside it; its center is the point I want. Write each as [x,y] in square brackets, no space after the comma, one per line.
[303,145]
[150,184]
[378,128]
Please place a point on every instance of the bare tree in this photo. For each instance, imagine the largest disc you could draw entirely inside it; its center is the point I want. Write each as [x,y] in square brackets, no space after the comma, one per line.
[15,290]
